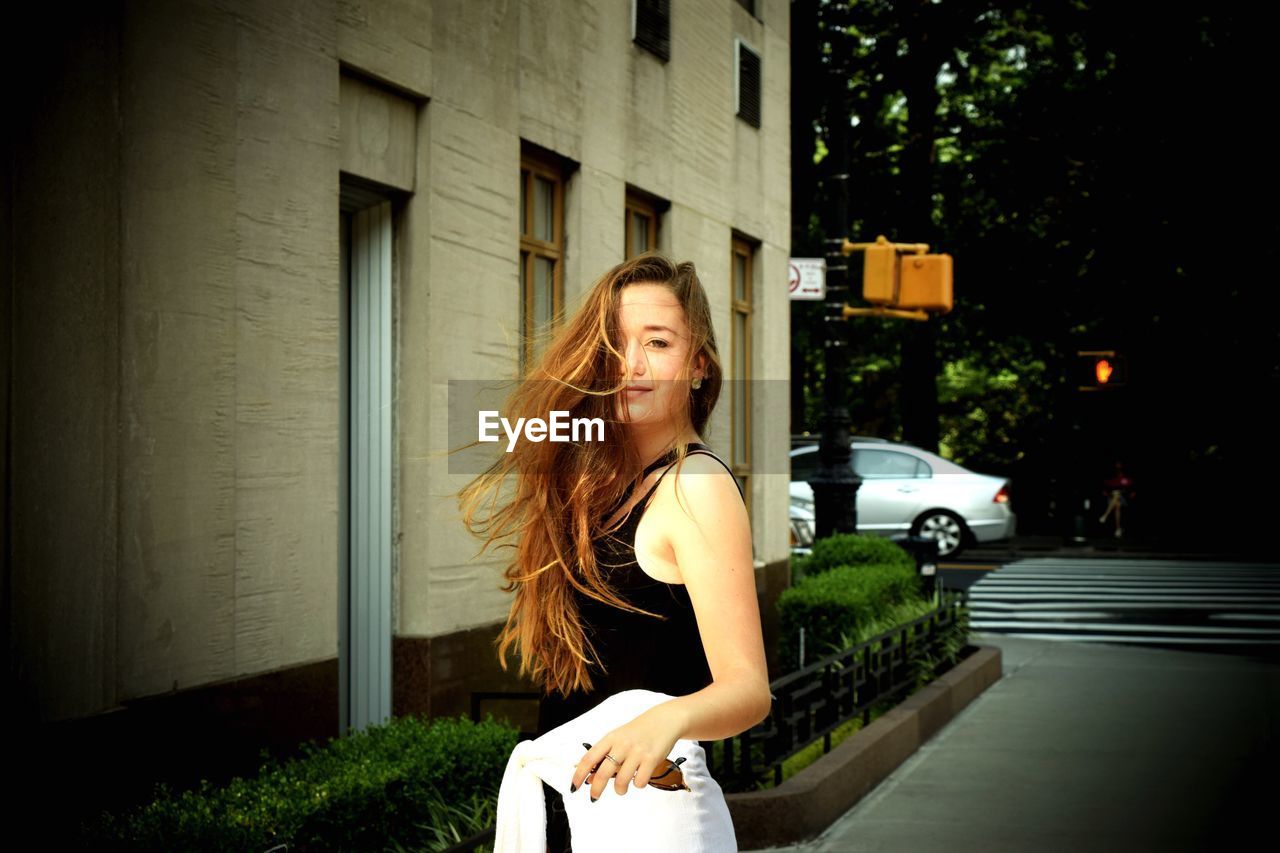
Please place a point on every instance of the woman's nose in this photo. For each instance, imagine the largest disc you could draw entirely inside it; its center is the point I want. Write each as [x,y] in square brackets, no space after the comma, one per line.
[638,360]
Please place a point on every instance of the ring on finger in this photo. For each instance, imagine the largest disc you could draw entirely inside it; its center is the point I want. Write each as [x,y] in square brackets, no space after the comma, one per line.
[614,760]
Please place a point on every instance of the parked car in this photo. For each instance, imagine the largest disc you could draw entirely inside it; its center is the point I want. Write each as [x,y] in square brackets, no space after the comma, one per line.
[909,490]
[801,528]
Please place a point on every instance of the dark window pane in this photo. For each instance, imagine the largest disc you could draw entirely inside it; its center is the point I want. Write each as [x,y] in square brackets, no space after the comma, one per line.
[544,210]
[652,27]
[524,202]
[748,85]
[740,372]
[639,232]
[804,465]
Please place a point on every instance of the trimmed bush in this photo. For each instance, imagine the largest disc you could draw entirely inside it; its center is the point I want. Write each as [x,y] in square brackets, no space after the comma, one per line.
[379,787]
[850,549]
[837,602]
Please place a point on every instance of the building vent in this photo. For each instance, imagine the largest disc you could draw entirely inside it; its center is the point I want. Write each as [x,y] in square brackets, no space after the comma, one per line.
[651,26]
[746,83]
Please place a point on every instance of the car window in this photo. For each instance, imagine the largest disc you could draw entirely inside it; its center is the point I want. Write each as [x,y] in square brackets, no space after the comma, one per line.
[888,464]
[804,464]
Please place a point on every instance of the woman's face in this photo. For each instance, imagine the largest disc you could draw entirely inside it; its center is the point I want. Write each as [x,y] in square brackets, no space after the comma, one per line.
[655,340]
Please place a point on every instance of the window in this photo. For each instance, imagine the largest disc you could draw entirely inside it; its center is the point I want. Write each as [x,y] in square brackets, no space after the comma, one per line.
[746,82]
[749,5]
[542,181]
[889,465]
[804,464]
[651,26]
[643,216]
[740,361]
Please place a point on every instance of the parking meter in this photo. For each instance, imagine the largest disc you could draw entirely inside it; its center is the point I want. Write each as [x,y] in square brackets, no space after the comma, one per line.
[924,549]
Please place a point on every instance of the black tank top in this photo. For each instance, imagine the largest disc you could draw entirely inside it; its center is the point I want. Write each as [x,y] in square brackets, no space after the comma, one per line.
[638,650]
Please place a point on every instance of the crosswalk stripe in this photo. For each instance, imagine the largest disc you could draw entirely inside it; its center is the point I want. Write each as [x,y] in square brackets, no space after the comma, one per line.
[1132,601]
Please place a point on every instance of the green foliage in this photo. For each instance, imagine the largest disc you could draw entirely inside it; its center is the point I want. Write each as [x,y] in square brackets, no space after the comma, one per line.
[408,781]
[954,639]
[849,549]
[841,601]
[927,666]
[1037,143]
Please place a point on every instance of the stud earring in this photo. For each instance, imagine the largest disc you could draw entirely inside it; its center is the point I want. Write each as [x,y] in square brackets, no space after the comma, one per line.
[697,382]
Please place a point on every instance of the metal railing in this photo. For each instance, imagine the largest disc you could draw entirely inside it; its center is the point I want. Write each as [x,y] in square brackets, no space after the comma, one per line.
[812,702]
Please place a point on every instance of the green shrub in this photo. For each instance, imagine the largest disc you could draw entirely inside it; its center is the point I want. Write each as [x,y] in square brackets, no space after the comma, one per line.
[951,639]
[926,665]
[849,549]
[839,600]
[379,787]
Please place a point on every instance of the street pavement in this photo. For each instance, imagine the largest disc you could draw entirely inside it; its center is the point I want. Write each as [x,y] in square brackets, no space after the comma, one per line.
[1086,746]
[1166,545]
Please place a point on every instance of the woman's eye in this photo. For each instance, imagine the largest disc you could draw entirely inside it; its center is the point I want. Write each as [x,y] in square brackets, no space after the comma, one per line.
[659,341]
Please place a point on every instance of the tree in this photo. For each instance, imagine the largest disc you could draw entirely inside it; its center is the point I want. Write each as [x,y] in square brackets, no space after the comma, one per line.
[1077,164]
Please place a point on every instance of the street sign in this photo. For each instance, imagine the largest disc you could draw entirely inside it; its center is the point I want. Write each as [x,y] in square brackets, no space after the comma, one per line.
[808,278]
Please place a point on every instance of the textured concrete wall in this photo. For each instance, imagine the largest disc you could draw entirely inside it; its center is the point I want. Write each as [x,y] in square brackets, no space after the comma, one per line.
[175,354]
[229,331]
[567,76]
[175,420]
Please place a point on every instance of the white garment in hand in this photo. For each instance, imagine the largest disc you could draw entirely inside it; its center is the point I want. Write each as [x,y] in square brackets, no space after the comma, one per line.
[643,819]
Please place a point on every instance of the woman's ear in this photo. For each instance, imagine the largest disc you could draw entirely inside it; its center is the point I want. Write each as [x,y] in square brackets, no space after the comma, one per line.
[700,366]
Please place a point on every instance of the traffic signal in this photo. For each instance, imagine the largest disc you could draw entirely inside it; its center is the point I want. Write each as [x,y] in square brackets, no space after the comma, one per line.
[880,273]
[910,281]
[1100,370]
[925,282]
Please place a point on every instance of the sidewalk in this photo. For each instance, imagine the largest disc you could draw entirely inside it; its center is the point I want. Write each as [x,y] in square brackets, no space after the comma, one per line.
[1084,746]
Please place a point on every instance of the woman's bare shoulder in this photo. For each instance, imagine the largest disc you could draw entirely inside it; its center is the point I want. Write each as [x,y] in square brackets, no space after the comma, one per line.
[702,477]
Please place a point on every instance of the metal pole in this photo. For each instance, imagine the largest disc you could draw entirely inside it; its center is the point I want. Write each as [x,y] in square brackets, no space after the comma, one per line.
[835,485]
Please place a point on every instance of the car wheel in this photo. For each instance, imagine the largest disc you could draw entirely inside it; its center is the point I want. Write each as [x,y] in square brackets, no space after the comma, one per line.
[945,526]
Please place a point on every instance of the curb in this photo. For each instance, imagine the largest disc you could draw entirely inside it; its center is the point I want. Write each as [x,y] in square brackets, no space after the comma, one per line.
[810,801]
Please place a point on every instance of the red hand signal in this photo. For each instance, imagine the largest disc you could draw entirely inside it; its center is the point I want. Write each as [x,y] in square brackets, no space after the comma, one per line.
[1103,370]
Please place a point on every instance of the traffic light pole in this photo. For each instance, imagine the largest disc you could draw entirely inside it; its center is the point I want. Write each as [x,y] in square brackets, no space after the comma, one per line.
[835,485]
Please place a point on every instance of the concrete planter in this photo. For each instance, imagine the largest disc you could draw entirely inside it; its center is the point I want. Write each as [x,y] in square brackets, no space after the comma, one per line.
[807,803]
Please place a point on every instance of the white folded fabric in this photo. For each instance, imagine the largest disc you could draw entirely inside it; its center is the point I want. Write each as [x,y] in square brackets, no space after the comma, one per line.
[646,820]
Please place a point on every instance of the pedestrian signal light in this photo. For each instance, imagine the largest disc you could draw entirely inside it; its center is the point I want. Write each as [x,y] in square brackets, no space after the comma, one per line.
[1100,370]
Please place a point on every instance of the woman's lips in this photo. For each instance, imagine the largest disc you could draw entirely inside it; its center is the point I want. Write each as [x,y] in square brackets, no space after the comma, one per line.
[636,392]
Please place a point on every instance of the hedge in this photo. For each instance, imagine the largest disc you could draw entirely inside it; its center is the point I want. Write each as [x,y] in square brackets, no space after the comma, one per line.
[384,785]
[835,601]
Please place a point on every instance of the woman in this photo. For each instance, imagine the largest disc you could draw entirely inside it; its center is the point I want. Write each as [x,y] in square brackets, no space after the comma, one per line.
[625,577]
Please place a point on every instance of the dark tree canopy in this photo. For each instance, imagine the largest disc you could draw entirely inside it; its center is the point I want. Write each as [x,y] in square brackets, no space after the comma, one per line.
[1099,179]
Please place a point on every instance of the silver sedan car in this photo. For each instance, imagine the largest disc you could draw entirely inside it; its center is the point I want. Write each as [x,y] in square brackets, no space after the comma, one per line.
[909,490]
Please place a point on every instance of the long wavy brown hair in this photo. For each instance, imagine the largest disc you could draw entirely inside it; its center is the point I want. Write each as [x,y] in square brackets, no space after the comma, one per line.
[564,490]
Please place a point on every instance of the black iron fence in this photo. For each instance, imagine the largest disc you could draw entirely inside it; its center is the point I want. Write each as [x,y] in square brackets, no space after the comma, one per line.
[812,702]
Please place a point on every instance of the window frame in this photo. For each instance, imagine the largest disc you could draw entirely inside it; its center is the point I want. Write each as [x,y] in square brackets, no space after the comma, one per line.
[741,384]
[533,165]
[646,205]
